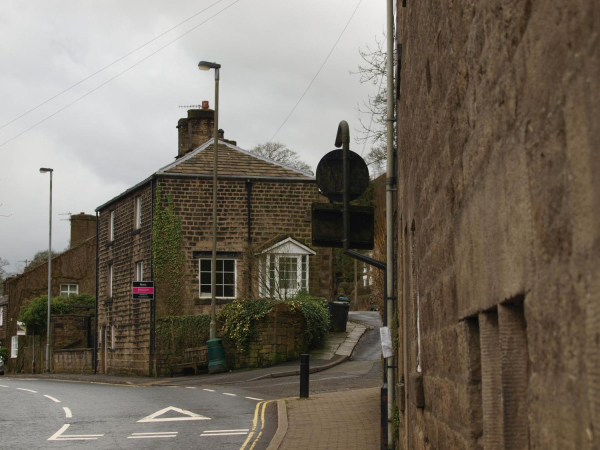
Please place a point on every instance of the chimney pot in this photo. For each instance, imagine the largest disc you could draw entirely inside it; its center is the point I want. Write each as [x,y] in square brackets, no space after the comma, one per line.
[204,104]
[221,133]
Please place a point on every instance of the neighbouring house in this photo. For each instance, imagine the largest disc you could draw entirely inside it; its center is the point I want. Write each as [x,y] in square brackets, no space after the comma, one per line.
[73,272]
[264,236]
[3,327]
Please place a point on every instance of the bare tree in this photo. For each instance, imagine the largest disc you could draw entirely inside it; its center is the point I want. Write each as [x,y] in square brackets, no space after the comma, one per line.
[278,152]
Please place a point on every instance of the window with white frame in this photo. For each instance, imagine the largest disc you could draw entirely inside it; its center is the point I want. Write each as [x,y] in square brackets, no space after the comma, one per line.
[138,212]
[14,346]
[284,269]
[111,226]
[110,280]
[225,281]
[139,271]
[1,316]
[69,289]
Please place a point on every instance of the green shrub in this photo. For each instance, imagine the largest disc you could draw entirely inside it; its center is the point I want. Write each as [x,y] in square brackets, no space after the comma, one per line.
[176,333]
[316,317]
[239,319]
[4,353]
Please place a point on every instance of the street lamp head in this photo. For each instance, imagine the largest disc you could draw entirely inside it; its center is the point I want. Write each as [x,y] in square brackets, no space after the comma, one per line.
[45,169]
[205,65]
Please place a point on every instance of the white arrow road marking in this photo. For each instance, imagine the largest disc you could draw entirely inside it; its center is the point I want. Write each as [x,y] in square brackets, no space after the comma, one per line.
[188,415]
[162,434]
[67,412]
[52,398]
[28,390]
[58,436]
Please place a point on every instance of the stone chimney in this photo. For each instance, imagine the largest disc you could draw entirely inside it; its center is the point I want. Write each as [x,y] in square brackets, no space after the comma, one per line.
[196,129]
[83,226]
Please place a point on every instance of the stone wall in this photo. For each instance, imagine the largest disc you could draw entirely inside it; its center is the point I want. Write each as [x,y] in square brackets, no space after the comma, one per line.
[122,320]
[499,225]
[279,337]
[71,331]
[78,361]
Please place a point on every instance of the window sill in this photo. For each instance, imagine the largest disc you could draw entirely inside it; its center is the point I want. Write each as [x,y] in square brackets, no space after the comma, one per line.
[136,231]
[206,301]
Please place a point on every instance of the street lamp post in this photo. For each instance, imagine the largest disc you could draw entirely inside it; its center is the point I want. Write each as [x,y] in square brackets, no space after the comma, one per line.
[216,353]
[44,170]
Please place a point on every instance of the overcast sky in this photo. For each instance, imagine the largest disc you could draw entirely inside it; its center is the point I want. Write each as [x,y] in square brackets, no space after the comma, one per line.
[121,133]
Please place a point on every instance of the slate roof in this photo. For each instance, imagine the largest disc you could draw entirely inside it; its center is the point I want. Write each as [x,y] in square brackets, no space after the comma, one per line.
[233,161]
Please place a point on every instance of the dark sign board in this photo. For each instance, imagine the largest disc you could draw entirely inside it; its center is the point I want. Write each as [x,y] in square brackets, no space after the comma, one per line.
[330,176]
[328,226]
[143,290]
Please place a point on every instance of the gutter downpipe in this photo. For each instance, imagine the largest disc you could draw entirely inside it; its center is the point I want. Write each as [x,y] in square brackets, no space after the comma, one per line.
[153,301]
[389,205]
[97,322]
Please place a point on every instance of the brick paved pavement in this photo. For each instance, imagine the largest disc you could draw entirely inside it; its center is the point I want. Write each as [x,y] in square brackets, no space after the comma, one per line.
[336,420]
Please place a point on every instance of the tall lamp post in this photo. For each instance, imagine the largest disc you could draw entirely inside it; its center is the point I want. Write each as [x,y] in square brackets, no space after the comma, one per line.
[216,353]
[44,170]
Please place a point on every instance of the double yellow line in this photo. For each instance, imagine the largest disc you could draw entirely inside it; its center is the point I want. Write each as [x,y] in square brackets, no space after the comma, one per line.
[259,413]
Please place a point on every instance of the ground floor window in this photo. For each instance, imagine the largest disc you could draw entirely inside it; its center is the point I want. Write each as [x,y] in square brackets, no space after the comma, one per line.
[14,346]
[69,289]
[225,281]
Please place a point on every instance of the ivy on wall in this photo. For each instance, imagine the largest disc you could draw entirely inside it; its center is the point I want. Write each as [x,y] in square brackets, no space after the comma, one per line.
[167,254]
[174,334]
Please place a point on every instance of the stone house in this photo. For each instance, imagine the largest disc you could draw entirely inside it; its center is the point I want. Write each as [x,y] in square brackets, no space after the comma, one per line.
[499,225]
[73,272]
[3,313]
[258,200]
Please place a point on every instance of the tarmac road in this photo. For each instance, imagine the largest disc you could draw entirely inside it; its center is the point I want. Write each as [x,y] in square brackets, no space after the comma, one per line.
[53,414]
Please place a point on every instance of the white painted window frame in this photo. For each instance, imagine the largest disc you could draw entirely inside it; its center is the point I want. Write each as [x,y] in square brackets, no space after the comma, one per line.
[209,295]
[138,212]
[14,346]
[139,271]
[274,253]
[112,226]
[68,289]
[110,280]
[1,316]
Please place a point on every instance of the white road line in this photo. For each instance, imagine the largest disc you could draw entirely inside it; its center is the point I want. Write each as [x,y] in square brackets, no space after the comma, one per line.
[28,390]
[52,398]
[67,412]
[252,398]
[58,436]
[159,432]
[189,387]
[222,434]
[231,395]
[225,431]
[209,390]
[1,385]
[153,437]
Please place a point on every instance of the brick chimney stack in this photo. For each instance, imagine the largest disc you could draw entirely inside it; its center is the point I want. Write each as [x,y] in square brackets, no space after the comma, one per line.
[196,129]
[83,226]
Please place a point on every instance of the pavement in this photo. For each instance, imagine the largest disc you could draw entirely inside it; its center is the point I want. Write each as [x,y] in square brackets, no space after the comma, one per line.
[347,419]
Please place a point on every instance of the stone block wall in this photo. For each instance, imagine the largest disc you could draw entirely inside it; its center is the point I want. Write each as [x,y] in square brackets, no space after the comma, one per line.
[71,331]
[78,361]
[119,315]
[279,337]
[499,225]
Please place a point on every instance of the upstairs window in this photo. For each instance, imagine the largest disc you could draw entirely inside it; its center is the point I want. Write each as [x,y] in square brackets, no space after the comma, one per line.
[111,226]
[225,282]
[139,271]
[69,289]
[1,315]
[138,213]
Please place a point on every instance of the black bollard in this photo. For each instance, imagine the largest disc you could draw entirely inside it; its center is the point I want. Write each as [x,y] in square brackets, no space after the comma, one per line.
[304,369]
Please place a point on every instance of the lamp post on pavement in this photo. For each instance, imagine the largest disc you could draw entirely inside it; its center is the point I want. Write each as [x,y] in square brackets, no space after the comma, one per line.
[216,353]
[47,170]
